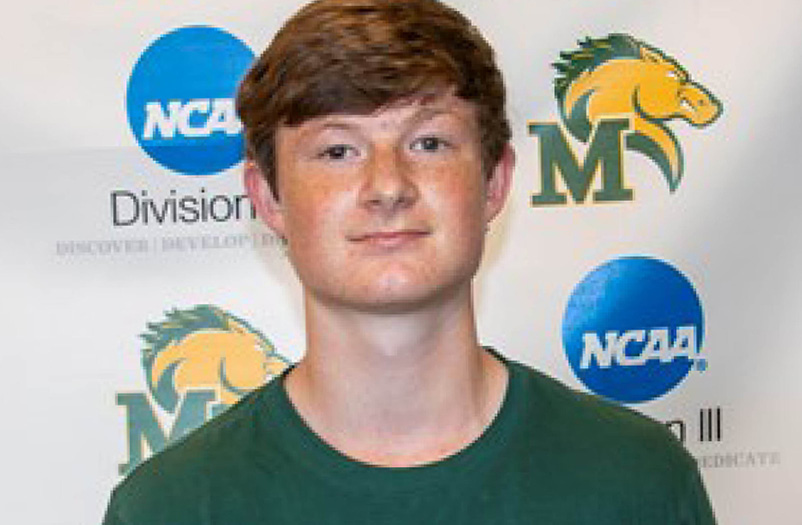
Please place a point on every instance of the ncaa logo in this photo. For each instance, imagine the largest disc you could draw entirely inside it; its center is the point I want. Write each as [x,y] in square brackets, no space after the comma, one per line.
[180,100]
[633,329]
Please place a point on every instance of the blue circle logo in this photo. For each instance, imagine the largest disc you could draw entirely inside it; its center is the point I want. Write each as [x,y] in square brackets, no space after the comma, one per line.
[180,100]
[633,329]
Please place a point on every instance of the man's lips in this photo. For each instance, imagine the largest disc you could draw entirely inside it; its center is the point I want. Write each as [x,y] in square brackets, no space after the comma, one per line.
[388,238]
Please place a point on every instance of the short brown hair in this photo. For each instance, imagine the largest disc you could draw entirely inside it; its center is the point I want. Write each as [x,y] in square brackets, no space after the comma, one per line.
[356,56]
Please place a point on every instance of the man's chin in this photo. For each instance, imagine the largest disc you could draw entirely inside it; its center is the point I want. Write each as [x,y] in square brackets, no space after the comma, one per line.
[403,300]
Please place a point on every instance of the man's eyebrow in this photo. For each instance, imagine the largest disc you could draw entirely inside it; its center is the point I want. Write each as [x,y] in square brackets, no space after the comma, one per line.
[341,122]
[328,123]
[431,113]
[452,118]
[333,122]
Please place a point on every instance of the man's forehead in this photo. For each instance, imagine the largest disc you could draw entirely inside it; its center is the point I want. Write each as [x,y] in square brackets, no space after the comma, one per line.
[413,109]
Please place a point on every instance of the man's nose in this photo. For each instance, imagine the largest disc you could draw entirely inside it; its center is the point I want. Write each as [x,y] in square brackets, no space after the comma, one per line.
[388,181]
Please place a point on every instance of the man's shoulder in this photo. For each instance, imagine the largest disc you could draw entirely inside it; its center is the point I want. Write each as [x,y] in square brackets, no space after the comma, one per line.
[626,466]
[595,431]
[567,405]
[225,443]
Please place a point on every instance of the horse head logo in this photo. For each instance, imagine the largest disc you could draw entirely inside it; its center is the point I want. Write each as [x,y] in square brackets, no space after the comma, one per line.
[206,348]
[621,76]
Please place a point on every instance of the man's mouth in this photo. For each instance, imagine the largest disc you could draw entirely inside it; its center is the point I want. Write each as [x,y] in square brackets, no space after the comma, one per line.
[389,238]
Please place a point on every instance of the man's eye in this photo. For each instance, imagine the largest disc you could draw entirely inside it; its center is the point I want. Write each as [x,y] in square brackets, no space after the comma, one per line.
[338,152]
[429,144]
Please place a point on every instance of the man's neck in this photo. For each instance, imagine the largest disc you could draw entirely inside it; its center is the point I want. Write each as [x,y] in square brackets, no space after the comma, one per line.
[396,390]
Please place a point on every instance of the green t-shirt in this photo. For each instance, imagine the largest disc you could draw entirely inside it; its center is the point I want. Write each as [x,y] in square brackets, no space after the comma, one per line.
[551,456]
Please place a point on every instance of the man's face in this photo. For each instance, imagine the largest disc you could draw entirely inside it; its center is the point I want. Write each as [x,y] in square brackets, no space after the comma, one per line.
[385,212]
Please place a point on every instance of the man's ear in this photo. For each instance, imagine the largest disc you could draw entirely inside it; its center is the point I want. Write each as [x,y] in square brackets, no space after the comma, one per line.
[498,185]
[263,199]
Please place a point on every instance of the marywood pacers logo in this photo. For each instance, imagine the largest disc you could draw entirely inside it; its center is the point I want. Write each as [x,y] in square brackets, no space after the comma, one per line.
[615,94]
[197,362]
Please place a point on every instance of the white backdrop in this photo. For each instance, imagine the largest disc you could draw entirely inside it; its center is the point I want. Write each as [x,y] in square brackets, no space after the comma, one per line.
[77,297]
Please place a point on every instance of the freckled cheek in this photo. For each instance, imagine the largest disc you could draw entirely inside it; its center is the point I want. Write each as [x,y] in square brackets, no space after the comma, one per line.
[463,209]
[312,220]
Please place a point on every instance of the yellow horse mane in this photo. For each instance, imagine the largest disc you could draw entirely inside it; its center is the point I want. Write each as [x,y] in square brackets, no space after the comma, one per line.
[207,348]
[620,76]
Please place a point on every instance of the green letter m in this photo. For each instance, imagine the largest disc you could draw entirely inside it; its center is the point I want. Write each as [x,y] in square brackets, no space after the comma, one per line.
[144,427]
[604,150]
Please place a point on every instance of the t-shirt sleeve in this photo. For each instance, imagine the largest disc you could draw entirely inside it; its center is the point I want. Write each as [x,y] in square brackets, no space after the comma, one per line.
[112,517]
[697,507]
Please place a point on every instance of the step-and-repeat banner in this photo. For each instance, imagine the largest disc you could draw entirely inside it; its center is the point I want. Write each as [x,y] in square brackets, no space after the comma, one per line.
[650,253]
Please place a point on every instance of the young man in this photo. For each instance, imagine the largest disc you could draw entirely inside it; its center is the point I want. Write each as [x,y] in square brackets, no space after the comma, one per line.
[378,148]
